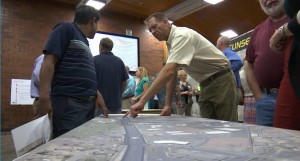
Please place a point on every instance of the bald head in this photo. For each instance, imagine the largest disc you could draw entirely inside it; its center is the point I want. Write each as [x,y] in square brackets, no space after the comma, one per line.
[223,42]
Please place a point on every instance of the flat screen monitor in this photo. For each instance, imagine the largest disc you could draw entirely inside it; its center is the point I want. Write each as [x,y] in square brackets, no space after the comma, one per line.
[125,47]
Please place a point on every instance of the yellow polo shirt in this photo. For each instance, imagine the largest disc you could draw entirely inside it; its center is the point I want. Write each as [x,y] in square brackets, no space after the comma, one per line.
[194,53]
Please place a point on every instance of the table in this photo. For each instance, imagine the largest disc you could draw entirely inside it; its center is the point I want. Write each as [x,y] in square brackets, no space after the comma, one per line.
[169,138]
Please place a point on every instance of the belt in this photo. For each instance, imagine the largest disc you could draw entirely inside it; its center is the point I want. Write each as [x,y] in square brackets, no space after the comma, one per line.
[210,79]
[86,98]
[271,90]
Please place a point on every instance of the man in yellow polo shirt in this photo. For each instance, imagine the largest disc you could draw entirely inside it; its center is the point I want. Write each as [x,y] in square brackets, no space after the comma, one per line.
[202,61]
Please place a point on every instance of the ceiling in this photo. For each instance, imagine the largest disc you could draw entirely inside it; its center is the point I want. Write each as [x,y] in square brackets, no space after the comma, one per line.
[238,15]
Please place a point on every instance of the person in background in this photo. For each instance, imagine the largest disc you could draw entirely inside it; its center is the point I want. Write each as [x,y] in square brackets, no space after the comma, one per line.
[185,102]
[35,83]
[198,58]
[68,67]
[161,96]
[197,92]
[264,67]
[248,100]
[142,85]
[111,77]
[286,39]
[129,90]
[236,63]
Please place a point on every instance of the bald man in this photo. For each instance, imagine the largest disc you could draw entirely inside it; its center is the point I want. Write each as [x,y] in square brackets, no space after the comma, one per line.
[236,63]
[223,44]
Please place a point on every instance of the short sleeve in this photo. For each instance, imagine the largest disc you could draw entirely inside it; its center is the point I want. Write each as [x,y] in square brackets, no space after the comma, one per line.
[59,39]
[250,54]
[146,80]
[181,50]
[294,27]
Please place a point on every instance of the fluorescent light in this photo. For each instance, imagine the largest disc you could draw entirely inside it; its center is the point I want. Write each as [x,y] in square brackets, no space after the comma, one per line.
[229,33]
[96,4]
[213,1]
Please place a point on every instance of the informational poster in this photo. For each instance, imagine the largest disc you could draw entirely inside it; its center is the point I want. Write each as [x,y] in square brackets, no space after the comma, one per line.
[20,92]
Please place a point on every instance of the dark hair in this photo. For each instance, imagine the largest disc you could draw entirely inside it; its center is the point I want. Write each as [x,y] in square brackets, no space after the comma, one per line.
[107,44]
[84,14]
[159,16]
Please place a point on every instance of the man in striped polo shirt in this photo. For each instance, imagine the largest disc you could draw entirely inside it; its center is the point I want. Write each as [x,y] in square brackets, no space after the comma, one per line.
[69,68]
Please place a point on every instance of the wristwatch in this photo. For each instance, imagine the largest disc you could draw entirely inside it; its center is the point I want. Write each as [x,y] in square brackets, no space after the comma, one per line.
[281,30]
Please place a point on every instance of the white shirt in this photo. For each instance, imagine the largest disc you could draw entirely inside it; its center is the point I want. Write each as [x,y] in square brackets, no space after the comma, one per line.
[244,83]
[35,78]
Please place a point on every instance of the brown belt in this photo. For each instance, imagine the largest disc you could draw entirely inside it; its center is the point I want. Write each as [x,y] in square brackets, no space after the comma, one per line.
[210,79]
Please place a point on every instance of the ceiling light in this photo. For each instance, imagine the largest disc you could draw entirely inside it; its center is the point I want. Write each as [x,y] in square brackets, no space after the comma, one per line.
[229,33]
[213,1]
[96,4]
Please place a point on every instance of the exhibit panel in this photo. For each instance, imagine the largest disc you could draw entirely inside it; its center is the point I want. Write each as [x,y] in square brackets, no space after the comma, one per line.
[174,138]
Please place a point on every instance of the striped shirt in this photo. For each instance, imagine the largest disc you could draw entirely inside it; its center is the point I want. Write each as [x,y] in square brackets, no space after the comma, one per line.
[74,73]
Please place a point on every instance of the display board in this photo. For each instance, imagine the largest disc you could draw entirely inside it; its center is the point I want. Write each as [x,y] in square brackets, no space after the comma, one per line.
[239,44]
[125,47]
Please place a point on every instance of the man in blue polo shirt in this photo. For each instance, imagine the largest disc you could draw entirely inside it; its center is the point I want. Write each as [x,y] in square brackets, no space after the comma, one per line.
[111,77]
[69,68]
[236,63]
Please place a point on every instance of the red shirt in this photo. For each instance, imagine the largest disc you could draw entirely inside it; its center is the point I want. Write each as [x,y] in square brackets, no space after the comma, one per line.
[268,65]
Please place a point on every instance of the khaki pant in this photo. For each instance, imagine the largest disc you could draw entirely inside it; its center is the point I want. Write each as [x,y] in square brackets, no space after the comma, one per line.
[218,99]
[126,103]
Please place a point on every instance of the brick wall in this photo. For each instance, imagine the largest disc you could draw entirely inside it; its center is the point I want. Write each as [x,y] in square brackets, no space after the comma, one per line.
[26,25]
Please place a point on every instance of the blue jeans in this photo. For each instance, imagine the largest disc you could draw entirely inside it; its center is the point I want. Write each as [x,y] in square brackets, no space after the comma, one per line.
[265,107]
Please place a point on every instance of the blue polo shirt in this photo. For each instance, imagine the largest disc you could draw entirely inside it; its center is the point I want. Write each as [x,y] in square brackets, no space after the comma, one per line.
[74,73]
[111,73]
[236,64]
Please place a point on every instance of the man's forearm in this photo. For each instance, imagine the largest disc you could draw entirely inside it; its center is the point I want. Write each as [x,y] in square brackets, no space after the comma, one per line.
[170,88]
[46,75]
[101,100]
[252,82]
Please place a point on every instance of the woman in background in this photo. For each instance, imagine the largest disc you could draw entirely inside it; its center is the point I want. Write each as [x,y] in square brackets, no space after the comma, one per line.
[184,106]
[142,85]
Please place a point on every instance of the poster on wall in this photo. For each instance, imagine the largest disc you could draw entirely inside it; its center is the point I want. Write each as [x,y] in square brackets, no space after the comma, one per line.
[20,92]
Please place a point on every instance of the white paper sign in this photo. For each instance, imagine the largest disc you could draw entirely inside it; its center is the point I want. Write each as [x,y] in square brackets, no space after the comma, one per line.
[31,135]
[20,92]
